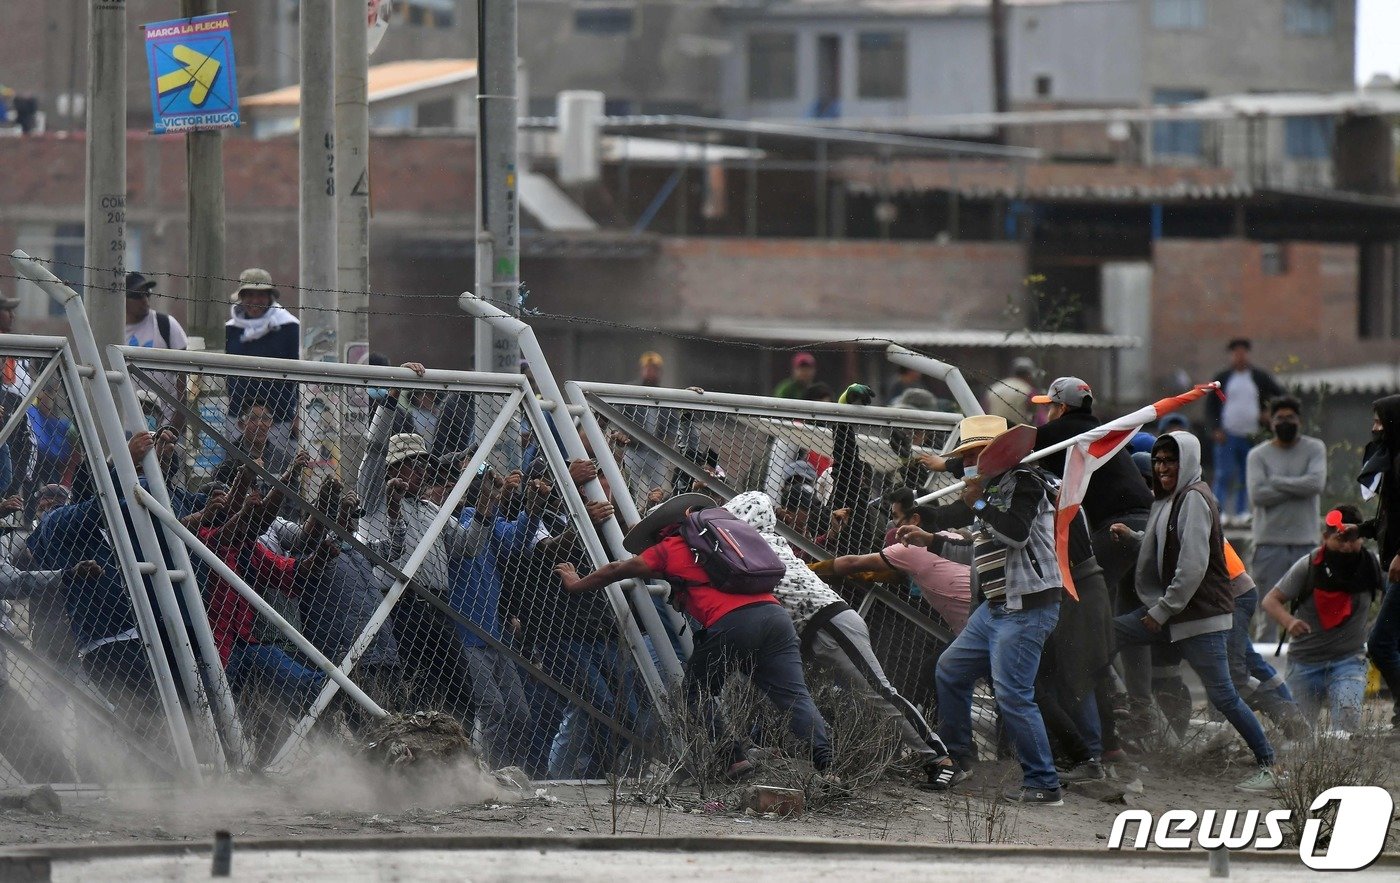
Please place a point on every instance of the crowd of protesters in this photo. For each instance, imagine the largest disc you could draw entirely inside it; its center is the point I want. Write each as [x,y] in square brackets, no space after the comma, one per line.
[503,622]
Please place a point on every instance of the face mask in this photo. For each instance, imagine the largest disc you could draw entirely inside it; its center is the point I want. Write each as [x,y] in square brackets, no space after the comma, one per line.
[151,422]
[1286,432]
[1377,435]
[970,471]
[378,394]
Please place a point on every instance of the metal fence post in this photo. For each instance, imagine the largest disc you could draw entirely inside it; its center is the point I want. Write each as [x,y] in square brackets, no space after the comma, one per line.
[575,448]
[112,509]
[215,679]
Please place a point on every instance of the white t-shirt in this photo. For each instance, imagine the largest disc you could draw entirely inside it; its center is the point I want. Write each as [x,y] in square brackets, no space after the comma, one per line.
[147,333]
[1240,413]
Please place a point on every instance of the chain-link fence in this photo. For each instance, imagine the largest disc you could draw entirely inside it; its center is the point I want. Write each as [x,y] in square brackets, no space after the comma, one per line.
[832,472]
[403,529]
[87,695]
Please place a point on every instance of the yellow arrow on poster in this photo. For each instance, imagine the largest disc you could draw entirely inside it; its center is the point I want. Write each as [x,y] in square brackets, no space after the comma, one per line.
[199,69]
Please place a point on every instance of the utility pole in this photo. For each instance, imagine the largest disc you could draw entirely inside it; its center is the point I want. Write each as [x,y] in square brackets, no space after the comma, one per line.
[204,186]
[104,236]
[497,202]
[316,218]
[352,169]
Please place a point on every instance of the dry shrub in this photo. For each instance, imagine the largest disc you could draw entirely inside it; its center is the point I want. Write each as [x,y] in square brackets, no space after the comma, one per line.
[1324,761]
[975,818]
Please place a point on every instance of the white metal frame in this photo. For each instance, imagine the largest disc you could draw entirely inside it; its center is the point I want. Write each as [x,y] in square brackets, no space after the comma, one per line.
[575,448]
[590,397]
[58,350]
[517,401]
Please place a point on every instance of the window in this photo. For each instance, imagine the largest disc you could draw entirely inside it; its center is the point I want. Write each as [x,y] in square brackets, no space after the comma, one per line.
[63,244]
[1177,139]
[881,66]
[1044,85]
[429,13]
[772,67]
[1307,137]
[1308,18]
[604,20]
[1179,15]
[1273,259]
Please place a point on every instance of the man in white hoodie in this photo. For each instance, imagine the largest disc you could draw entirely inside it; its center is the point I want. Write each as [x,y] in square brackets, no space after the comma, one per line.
[1184,584]
[835,638]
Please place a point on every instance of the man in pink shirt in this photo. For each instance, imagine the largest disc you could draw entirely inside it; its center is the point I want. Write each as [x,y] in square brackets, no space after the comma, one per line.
[946,585]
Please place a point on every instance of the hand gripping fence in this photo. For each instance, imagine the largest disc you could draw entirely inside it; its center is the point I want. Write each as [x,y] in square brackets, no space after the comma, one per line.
[825,466]
[283,565]
[87,695]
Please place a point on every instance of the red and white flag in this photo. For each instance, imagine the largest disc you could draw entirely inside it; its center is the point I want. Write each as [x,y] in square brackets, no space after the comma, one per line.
[1095,448]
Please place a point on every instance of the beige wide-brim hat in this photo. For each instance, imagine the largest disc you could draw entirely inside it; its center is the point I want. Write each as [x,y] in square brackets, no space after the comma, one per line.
[254,279]
[404,445]
[643,535]
[975,432]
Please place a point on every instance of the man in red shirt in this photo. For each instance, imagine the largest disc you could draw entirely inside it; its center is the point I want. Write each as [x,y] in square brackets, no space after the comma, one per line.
[231,618]
[751,634]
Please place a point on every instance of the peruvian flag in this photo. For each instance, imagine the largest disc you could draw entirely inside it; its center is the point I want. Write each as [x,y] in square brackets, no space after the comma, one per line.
[1095,448]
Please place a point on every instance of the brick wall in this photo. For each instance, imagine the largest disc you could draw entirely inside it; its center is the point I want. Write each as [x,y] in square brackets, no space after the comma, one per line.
[1205,292]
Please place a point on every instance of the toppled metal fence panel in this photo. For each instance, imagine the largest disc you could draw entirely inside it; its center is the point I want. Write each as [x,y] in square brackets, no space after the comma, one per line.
[87,690]
[376,540]
[827,468]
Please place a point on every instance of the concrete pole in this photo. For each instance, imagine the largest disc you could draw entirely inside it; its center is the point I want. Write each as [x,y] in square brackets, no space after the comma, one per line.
[104,240]
[204,184]
[497,203]
[316,221]
[352,169]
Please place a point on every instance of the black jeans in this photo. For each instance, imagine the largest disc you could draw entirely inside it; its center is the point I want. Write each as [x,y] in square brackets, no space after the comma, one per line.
[760,642]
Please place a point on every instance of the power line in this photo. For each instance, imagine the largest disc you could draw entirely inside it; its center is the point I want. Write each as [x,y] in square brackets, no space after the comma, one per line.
[987,381]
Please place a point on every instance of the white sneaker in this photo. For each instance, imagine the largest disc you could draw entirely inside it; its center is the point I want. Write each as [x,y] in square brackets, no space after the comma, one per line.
[1264,781]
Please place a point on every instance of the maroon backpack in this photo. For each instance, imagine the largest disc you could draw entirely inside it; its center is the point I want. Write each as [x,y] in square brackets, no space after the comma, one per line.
[735,556]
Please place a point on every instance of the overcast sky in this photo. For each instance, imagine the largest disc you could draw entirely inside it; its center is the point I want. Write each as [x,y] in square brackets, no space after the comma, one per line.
[1377,39]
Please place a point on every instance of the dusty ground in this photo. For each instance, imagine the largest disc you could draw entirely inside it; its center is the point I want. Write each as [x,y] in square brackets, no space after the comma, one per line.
[338,804]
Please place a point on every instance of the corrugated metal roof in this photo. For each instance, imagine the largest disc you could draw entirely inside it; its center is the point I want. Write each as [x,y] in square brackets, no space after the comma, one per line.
[914,335]
[392,80]
[984,179]
[1374,378]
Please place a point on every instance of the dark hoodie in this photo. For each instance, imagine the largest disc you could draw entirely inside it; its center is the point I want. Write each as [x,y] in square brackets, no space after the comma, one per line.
[1385,527]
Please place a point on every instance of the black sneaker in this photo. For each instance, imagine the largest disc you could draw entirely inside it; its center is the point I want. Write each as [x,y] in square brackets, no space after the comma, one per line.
[943,776]
[1088,771]
[1035,796]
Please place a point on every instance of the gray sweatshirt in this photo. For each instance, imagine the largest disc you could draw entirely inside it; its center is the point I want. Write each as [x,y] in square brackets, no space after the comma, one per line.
[1193,525]
[1285,489]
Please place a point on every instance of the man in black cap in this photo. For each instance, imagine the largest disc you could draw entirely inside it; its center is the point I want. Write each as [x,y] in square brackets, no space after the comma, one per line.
[151,328]
[750,633]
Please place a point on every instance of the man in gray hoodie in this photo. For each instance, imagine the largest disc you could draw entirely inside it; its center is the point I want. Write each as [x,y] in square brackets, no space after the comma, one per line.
[1184,585]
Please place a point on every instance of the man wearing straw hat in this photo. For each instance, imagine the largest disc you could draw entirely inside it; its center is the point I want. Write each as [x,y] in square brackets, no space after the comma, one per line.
[1014,569]
[748,633]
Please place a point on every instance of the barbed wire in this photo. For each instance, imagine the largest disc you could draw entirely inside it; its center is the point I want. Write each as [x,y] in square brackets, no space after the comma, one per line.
[988,382]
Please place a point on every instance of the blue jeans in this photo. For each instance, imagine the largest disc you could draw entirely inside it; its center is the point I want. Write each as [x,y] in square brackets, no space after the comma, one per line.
[1230,458]
[1341,684]
[271,668]
[1208,656]
[581,749]
[1384,644]
[1004,645]
[1243,654]
[759,641]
